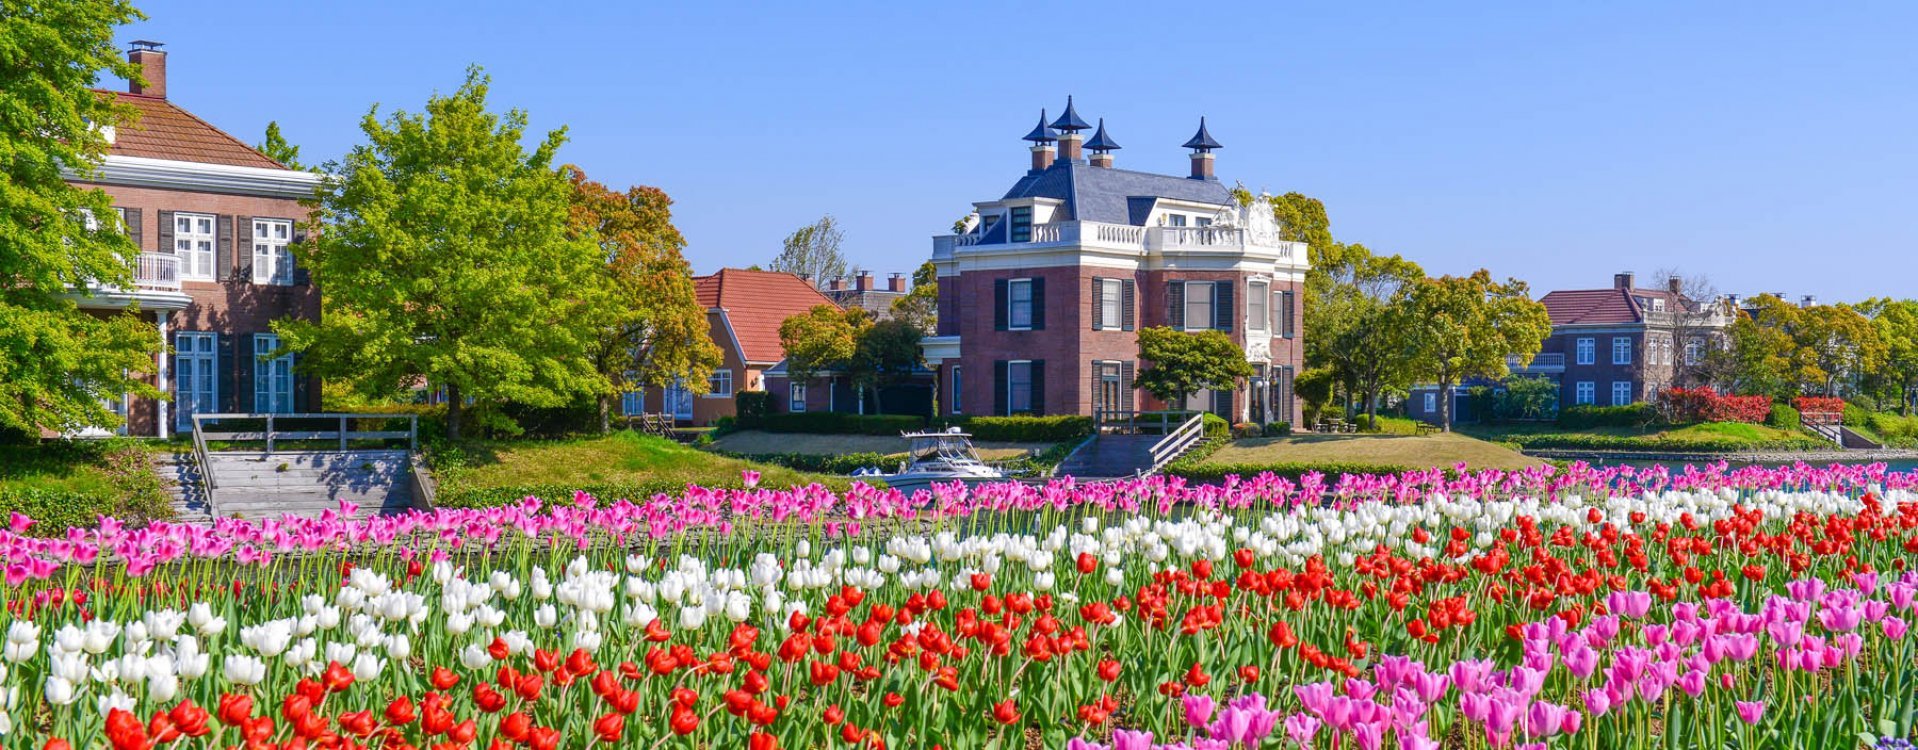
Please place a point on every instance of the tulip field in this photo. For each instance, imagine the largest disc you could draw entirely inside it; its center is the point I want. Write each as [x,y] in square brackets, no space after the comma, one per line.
[1551,608]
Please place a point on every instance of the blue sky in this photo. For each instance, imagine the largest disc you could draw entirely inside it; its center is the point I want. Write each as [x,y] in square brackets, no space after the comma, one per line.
[1769,145]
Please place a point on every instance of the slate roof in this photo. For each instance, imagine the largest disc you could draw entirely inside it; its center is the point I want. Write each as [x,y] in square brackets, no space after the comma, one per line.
[756,302]
[1107,194]
[165,131]
[1587,307]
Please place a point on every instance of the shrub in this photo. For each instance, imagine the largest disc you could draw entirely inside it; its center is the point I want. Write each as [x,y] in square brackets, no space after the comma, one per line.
[1024,429]
[1527,398]
[1215,427]
[1247,430]
[1587,417]
[1278,429]
[1783,417]
[1695,405]
[1481,404]
[836,423]
[751,407]
[53,510]
[1819,405]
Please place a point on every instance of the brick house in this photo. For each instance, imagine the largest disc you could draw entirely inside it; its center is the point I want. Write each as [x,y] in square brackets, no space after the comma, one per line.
[743,311]
[1614,347]
[858,290]
[212,218]
[1041,296]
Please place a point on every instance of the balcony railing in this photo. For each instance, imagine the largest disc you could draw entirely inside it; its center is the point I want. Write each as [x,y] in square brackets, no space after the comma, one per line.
[157,271]
[1124,237]
[1544,361]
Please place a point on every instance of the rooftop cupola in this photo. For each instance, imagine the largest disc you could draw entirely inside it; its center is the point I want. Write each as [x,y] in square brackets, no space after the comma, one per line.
[1102,146]
[1042,138]
[1069,125]
[1202,144]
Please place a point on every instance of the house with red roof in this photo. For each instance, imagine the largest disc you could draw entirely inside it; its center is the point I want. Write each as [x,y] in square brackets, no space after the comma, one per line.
[213,219]
[744,309]
[1613,347]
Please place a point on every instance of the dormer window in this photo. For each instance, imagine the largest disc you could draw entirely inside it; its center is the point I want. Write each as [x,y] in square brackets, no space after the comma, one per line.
[1021,224]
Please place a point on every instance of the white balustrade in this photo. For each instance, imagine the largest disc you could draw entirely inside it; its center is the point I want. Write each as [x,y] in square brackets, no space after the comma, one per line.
[157,271]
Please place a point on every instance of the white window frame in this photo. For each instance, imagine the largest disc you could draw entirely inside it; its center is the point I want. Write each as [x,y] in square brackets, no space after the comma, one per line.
[1111,305]
[958,389]
[1175,220]
[796,397]
[1621,393]
[1585,393]
[720,377]
[272,262]
[198,259]
[1587,350]
[272,378]
[633,402]
[1621,350]
[1012,404]
[184,402]
[1205,321]
[1694,351]
[1258,292]
[1013,288]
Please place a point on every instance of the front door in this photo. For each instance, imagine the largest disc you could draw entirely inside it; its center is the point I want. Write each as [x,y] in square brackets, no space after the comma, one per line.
[1106,393]
[194,367]
[679,401]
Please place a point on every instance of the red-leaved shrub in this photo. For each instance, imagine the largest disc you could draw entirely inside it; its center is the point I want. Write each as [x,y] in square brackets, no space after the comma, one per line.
[1688,405]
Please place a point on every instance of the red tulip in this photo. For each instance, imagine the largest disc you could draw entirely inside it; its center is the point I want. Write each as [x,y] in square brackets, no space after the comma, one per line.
[543,738]
[235,709]
[610,728]
[516,726]
[56,744]
[1108,670]
[834,715]
[1005,712]
[336,678]
[190,718]
[444,679]
[400,711]
[893,700]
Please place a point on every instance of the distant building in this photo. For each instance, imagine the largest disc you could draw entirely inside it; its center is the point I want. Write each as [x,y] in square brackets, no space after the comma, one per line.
[213,219]
[1042,293]
[858,290]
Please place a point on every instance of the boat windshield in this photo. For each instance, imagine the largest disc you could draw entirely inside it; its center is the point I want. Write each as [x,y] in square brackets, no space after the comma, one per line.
[950,448]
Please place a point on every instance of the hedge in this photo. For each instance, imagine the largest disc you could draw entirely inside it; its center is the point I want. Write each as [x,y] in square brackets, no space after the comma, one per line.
[1694,405]
[1054,429]
[1570,441]
[53,511]
[1587,417]
[550,494]
[822,463]
[836,423]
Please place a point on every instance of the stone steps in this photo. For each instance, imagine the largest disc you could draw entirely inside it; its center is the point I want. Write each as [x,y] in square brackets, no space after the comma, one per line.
[259,485]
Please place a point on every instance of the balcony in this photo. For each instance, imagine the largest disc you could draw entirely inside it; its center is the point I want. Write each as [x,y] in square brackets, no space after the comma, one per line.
[1543,363]
[1132,239]
[156,286]
[157,271]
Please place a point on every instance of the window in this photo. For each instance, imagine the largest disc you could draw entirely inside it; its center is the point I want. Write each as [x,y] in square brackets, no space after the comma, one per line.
[1198,305]
[193,237]
[632,403]
[1019,387]
[1621,350]
[958,387]
[1256,293]
[1694,351]
[1586,393]
[1111,310]
[719,384]
[195,383]
[1202,221]
[1621,392]
[1431,402]
[272,376]
[796,397]
[1175,220]
[1587,351]
[1019,304]
[1021,224]
[272,264]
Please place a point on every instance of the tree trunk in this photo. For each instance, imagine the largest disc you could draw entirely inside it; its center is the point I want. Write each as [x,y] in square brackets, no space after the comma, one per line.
[1445,404]
[1372,409]
[455,412]
[605,414]
[878,409]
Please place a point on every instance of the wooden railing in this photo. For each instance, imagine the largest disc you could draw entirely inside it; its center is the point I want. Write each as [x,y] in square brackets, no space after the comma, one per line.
[1125,422]
[1178,442]
[270,437]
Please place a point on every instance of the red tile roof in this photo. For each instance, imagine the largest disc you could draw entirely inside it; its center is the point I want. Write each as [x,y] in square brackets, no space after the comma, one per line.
[756,302]
[165,131]
[1585,307]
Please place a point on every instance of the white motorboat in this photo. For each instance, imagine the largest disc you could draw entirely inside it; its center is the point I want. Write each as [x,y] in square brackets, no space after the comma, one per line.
[937,457]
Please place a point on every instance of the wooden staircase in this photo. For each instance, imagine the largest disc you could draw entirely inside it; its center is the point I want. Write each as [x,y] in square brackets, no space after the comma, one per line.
[268,465]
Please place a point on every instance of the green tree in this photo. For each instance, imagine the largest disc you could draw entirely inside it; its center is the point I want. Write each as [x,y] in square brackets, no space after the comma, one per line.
[1361,318]
[278,149]
[1754,358]
[886,354]
[812,251]
[821,339]
[1897,324]
[652,330]
[920,307]
[1185,362]
[446,256]
[1460,327]
[57,363]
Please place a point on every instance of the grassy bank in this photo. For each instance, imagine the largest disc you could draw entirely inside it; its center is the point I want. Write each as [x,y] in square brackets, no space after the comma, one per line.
[70,483]
[758,442]
[1339,454]
[1711,437]
[621,465]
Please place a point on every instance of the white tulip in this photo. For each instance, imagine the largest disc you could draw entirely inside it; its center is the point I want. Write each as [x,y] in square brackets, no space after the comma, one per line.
[367,667]
[399,647]
[475,657]
[163,687]
[545,616]
[116,699]
[244,670]
[59,690]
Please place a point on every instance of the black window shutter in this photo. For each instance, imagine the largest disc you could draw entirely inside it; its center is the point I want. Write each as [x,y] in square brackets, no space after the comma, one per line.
[1175,304]
[1290,320]
[1125,386]
[1000,300]
[1039,304]
[230,355]
[243,249]
[166,231]
[132,228]
[999,378]
[1125,305]
[1038,387]
[1098,303]
[1222,314]
[300,275]
[1096,393]
[223,265]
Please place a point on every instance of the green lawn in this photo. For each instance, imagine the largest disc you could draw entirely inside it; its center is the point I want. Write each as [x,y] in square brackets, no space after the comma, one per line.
[624,464]
[1438,450]
[1710,437]
[756,442]
[64,483]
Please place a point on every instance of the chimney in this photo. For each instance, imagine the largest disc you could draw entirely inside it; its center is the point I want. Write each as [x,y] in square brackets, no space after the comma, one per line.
[152,63]
[1625,281]
[1675,284]
[1102,159]
[1202,144]
[1042,156]
[1069,125]
[1042,139]
[1102,146]
[896,283]
[1809,300]
[1069,143]
[836,283]
[806,277]
[862,282]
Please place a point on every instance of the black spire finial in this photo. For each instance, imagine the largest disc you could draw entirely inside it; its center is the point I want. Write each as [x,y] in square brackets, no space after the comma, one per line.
[1101,142]
[1041,134]
[1202,141]
[1070,122]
